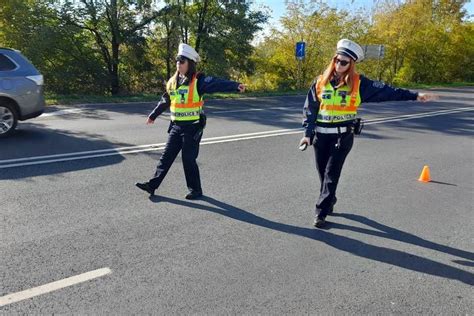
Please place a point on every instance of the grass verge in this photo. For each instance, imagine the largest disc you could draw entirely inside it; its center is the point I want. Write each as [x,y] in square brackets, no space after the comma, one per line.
[54,99]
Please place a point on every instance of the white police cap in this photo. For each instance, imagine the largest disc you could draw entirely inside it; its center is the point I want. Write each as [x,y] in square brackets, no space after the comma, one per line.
[188,52]
[350,49]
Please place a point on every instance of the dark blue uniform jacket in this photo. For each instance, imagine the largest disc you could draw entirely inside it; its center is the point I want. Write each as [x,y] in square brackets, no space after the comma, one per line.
[370,91]
[204,85]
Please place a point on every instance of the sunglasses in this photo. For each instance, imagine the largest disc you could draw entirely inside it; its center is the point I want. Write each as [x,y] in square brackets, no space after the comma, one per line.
[181,59]
[342,62]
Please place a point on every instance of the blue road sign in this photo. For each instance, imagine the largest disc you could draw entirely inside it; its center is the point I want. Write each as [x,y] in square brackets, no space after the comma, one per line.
[300,50]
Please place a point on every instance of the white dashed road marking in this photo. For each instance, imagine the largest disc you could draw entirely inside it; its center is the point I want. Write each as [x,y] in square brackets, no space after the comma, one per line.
[53,286]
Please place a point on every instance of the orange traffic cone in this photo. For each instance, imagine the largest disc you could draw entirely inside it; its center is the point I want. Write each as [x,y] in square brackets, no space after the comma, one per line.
[425,175]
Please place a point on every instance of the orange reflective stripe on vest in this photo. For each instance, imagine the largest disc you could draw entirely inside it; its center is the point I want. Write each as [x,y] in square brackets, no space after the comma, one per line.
[355,90]
[338,107]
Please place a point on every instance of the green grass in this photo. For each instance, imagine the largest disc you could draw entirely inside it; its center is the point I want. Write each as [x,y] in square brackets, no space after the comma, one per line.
[53,99]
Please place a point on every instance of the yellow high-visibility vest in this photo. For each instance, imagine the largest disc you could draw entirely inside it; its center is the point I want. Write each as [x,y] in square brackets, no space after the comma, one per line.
[337,105]
[186,104]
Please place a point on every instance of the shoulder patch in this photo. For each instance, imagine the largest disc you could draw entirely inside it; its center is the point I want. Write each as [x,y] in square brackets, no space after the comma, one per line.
[378,84]
[208,79]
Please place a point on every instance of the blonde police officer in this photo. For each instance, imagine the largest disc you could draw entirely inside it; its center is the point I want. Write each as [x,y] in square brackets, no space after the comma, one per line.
[183,97]
[330,112]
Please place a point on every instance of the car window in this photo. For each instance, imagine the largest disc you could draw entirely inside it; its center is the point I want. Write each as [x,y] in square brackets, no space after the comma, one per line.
[6,64]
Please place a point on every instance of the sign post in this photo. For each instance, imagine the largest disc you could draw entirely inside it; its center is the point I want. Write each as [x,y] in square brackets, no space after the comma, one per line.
[300,52]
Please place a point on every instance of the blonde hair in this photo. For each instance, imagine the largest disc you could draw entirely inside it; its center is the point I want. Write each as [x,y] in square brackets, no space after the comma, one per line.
[172,82]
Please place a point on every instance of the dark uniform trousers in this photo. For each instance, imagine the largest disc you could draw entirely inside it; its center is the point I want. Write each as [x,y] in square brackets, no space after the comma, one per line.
[187,139]
[330,156]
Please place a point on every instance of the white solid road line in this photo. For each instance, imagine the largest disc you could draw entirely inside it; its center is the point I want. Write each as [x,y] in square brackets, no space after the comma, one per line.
[11,163]
[53,286]
[419,115]
[62,112]
[119,150]
[112,153]
[80,110]
[296,131]
[80,153]
[279,108]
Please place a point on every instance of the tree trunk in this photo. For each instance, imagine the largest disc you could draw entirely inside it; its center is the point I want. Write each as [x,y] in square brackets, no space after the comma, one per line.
[201,21]
[115,42]
[168,49]
[186,26]
[114,75]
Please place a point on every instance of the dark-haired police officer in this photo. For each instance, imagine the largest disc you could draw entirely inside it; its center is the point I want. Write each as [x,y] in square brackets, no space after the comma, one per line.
[183,97]
[330,112]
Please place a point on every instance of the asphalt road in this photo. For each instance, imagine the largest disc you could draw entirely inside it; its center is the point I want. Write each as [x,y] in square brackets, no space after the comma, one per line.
[69,208]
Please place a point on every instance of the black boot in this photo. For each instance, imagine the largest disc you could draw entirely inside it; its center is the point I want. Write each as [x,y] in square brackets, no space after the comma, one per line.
[194,195]
[319,222]
[145,186]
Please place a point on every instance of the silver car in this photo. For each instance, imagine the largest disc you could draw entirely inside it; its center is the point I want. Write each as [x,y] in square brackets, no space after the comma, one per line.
[21,90]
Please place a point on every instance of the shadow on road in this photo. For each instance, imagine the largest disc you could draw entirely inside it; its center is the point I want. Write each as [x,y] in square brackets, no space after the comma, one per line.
[32,140]
[465,263]
[358,248]
[444,183]
[385,231]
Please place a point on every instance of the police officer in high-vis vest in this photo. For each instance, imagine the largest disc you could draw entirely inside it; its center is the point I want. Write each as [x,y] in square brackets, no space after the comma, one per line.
[183,96]
[330,117]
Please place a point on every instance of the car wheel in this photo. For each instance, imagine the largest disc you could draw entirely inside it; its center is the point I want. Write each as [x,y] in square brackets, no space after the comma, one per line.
[8,120]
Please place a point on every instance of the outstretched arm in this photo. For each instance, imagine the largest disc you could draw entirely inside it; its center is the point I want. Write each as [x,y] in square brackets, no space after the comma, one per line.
[208,84]
[376,91]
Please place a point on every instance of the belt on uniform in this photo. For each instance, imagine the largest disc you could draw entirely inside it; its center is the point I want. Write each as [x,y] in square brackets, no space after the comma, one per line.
[184,123]
[331,130]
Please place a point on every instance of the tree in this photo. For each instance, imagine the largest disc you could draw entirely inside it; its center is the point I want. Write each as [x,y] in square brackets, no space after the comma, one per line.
[426,41]
[221,31]
[62,53]
[112,24]
[317,24]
